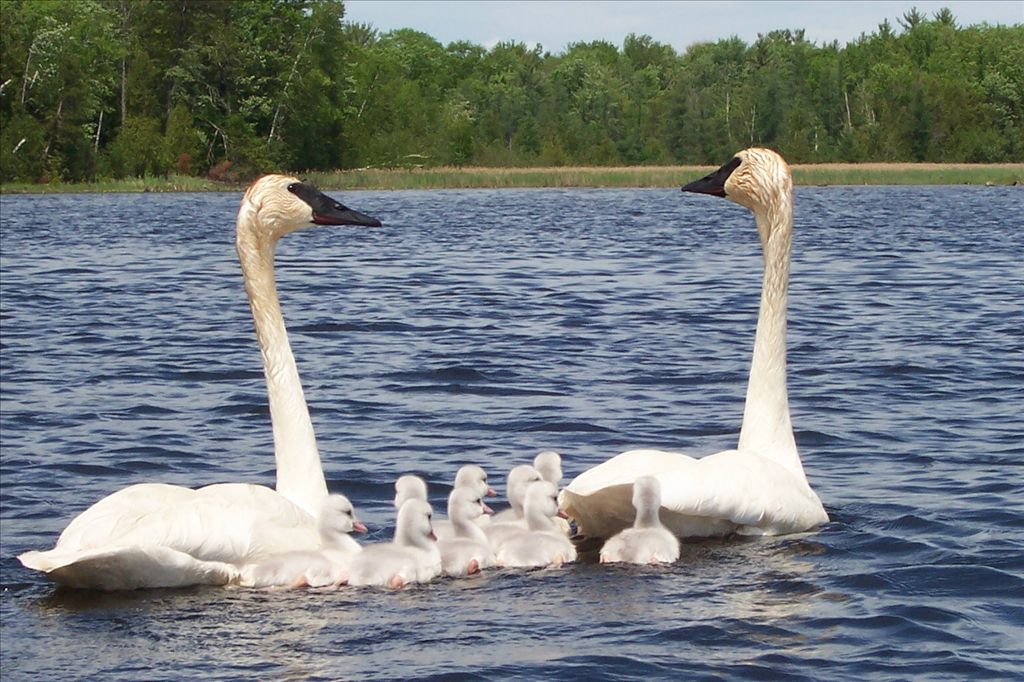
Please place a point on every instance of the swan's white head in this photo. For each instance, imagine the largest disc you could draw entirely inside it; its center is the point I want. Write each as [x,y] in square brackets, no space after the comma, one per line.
[646,494]
[413,527]
[757,178]
[337,517]
[472,476]
[409,487]
[541,499]
[519,479]
[275,205]
[549,464]
[466,504]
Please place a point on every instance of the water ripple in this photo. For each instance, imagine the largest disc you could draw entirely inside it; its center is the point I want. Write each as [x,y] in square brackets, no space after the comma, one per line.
[483,326]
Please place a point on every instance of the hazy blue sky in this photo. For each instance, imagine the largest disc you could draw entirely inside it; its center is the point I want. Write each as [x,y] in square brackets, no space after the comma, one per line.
[554,24]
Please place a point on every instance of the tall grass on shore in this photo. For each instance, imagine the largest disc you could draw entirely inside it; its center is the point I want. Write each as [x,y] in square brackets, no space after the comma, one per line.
[591,176]
[666,176]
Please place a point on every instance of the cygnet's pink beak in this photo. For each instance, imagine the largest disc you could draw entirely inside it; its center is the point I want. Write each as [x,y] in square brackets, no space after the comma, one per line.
[487,510]
[432,536]
[358,527]
[491,493]
[561,514]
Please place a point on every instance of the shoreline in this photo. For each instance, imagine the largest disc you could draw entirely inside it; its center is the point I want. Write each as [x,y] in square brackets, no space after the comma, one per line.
[824,174]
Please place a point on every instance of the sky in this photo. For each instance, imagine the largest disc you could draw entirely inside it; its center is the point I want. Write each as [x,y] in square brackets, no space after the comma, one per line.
[556,23]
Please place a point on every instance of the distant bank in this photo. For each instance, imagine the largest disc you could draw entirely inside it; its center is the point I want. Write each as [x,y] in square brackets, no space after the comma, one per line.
[591,176]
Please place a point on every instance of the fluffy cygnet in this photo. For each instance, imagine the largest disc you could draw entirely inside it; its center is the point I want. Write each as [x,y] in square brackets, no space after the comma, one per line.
[412,557]
[312,568]
[549,464]
[409,487]
[542,544]
[468,550]
[475,478]
[648,541]
[519,479]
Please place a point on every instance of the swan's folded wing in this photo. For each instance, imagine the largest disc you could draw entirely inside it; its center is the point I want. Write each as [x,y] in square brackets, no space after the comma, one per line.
[231,522]
[110,521]
[623,469]
[755,494]
[127,568]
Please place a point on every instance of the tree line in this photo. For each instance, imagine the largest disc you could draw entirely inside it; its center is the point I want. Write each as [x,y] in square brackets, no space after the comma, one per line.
[93,89]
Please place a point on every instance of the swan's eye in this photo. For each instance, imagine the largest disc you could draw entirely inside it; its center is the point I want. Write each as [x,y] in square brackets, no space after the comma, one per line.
[293,187]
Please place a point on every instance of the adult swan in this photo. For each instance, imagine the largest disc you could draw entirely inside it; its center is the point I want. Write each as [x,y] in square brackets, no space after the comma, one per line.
[758,488]
[158,535]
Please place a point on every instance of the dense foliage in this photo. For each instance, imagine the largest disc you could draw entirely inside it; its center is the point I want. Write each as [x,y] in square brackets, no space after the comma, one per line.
[116,88]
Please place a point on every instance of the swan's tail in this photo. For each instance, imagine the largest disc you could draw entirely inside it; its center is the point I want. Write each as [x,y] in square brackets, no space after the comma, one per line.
[127,568]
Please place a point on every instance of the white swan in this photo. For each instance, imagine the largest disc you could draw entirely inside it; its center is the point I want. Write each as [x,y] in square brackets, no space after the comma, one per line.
[412,557]
[473,477]
[308,568]
[648,541]
[467,550]
[760,487]
[158,535]
[542,543]
[409,487]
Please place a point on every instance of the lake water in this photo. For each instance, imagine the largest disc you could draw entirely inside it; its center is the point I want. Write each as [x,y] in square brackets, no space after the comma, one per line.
[483,326]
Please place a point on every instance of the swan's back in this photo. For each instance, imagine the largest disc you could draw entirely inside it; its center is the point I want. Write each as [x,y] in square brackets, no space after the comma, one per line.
[229,522]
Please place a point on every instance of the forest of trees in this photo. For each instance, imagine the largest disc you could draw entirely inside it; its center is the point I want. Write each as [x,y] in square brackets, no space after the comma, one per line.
[95,89]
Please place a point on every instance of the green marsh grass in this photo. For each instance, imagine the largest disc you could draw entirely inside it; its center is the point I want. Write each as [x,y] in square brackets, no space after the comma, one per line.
[591,176]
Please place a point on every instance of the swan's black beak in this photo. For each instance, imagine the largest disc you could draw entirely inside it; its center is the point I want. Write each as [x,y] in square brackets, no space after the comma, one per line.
[338,214]
[327,211]
[713,183]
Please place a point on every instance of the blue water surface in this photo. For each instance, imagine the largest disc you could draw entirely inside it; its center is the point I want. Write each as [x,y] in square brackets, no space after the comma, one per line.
[483,326]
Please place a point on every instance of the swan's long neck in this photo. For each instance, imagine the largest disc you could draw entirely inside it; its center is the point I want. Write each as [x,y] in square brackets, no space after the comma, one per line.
[465,527]
[766,423]
[300,476]
[647,515]
[536,520]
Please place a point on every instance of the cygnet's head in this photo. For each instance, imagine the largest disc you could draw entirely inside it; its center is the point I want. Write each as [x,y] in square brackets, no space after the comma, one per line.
[646,494]
[465,503]
[275,205]
[542,499]
[549,464]
[414,523]
[409,487]
[472,476]
[519,478]
[337,517]
[756,178]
